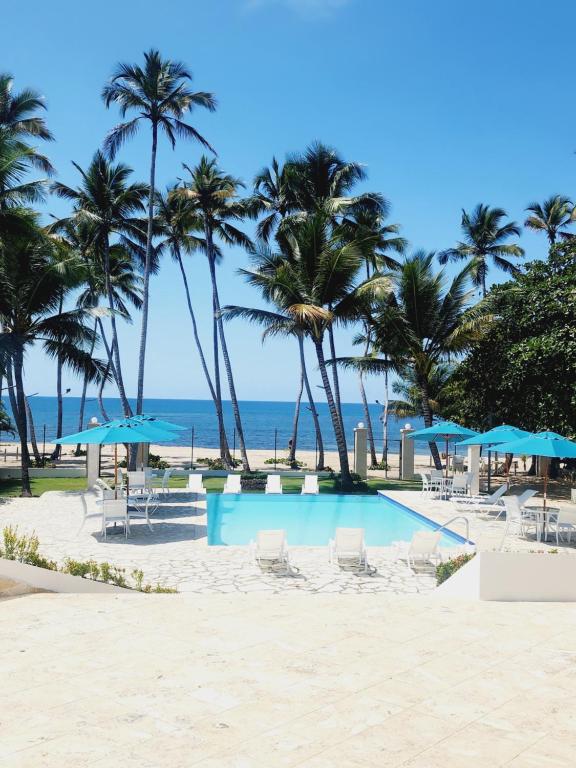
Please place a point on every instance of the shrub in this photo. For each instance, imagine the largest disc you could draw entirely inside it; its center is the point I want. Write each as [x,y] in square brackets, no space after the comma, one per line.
[253,481]
[380,465]
[156,462]
[286,462]
[445,570]
[216,463]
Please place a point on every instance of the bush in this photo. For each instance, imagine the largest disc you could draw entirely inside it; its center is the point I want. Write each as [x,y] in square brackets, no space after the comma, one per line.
[216,463]
[380,465]
[24,549]
[253,481]
[445,570]
[156,462]
[286,462]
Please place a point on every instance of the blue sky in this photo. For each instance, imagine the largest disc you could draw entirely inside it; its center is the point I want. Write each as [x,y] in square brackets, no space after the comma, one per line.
[447,103]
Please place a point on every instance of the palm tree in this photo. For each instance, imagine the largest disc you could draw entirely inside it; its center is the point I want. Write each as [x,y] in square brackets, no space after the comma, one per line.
[213,198]
[410,402]
[160,94]
[30,290]
[427,322]
[107,200]
[485,239]
[312,282]
[274,197]
[554,213]
[177,221]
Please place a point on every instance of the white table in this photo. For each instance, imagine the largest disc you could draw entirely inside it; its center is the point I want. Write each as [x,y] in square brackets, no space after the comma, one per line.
[542,516]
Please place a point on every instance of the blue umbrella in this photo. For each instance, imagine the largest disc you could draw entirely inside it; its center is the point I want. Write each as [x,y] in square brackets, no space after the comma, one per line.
[502,434]
[155,422]
[115,432]
[448,431]
[547,444]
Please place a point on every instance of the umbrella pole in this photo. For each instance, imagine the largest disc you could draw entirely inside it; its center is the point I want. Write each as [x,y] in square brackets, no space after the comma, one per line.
[115,470]
[446,459]
[489,468]
[546,484]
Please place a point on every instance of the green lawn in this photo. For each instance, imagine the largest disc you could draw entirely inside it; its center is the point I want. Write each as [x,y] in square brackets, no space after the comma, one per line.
[213,485]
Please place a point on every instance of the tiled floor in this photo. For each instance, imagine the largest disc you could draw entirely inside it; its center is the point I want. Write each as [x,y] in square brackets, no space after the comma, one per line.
[255,681]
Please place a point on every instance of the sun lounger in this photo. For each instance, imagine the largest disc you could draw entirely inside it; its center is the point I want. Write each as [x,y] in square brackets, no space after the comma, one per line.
[273,484]
[422,549]
[491,503]
[348,550]
[232,484]
[195,485]
[310,485]
[271,552]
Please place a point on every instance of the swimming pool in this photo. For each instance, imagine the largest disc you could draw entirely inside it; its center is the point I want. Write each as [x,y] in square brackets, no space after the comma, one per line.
[311,520]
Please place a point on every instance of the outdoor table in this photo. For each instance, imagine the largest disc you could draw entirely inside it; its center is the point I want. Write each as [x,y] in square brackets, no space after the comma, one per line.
[542,515]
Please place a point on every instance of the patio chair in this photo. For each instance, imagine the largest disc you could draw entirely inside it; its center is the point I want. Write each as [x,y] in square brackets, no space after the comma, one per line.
[436,480]
[232,484]
[459,486]
[425,484]
[482,503]
[458,463]
[348,550]
[139,508]
[310,485]
[271,552]
[563,522]
[115,511]
[166,481]
[523,498]
[273,484]
[195,485]
[517,520]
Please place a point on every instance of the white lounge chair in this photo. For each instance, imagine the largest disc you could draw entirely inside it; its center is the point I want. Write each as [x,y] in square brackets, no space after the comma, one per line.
[310,485]
[348,550]
[195,485]
[423,548]
[481,503]
[273,484]
[232,484]
[271,552]
[115,511]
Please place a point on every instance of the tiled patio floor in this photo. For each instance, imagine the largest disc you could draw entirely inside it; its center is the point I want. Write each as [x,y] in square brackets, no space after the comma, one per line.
[261,681]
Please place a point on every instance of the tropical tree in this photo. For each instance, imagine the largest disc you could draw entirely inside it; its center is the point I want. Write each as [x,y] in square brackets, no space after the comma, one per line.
[178,222]
[159,93]
[551,216]
[427,321]
[312,280]
[213,198]
[109,203]
[30,290]
[485,241]
[273,198]
[409,402]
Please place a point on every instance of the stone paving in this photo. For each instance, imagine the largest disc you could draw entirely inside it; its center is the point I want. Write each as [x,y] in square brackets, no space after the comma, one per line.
[285,681]
[176,553]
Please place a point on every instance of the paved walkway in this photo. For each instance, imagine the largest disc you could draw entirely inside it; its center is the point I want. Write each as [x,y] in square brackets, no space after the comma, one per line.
[282,681]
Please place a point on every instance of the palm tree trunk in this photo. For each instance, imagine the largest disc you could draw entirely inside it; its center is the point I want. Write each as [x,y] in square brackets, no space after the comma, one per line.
[21,422]
[84,391]
[147,267]
[427,416]
[335,375]
[226,357]
[224,448]
[368,420]
[38,458]
[115,348]
[312,404]
[294,438]
[55,455]
[336,422]
[385,421]
[101,394]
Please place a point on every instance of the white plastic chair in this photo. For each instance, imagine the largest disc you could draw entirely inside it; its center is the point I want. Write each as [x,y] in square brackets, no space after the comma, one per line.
[166,480]
[425,484]
[232,484]
[563,522]
[139,508]
[195,485]
[460,485]
[517,521]
[310,485]
[436,480]
[273,484]
[115,511]
[479,503]
[348,550]
[423,548]
[271,552]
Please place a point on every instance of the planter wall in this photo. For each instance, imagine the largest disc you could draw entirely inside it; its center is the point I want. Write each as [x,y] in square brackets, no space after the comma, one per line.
[54,581]
[9,473]
[514,576]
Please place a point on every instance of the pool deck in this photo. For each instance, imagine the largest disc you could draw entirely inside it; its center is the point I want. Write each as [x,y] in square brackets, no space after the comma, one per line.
[288,680]
[176,553]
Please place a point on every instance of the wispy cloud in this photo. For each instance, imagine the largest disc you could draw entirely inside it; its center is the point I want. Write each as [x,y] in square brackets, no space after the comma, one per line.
[305,8]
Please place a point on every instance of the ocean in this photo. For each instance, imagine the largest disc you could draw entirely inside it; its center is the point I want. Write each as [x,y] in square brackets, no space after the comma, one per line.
[263,422]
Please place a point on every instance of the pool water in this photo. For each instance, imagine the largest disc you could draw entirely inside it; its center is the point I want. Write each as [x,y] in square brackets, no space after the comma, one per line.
[312,520]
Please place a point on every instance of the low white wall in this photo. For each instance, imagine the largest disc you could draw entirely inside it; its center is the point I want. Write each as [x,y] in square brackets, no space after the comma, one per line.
[514,577]
[9,473]
[53,581]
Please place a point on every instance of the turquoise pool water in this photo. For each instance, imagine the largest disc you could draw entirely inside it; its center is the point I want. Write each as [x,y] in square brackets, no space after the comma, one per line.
[312,520]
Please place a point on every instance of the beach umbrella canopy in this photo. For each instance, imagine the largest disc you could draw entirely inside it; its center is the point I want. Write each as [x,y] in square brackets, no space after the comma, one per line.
[155,422]
[547,444]
[502,434]
[121,431]
[448,431]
